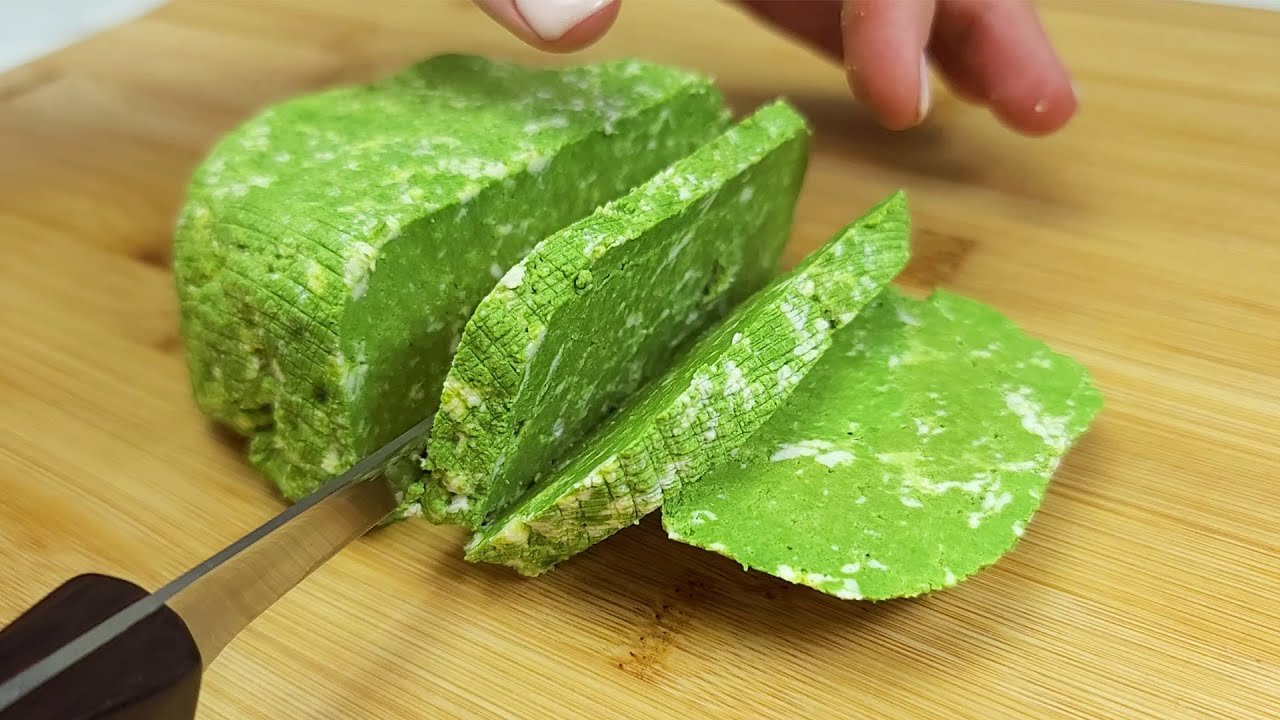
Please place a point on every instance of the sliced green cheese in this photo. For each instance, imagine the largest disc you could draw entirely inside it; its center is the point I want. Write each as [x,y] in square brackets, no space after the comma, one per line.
[716,395]
[598,308]
[333,247]
[911,457]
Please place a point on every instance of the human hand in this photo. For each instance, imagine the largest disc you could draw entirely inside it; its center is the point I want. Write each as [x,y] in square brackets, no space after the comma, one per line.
[993,53]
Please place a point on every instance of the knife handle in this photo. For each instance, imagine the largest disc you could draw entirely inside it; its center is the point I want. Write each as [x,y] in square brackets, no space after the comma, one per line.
[149,672]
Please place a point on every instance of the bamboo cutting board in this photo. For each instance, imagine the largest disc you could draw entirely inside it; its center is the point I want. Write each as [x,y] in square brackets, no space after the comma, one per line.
[1142,240]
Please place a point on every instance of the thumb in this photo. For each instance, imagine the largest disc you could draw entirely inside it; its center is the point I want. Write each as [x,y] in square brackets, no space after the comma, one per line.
[554,25]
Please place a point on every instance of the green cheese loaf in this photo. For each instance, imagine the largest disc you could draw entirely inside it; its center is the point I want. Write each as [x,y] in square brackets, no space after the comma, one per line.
[912,456]
[599,307]
[575,272]
[333,247]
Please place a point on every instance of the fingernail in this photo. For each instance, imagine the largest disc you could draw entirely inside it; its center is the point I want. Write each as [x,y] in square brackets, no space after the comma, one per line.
[551,19]
[926,97]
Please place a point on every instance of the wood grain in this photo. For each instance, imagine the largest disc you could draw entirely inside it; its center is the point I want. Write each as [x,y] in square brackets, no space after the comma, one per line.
[1142,240]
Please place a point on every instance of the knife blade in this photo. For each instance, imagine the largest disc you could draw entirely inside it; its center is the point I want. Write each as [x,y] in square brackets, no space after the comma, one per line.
[81,653]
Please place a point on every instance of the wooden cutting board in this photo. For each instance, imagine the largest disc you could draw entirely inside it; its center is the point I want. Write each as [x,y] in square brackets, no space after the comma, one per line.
[1144,240]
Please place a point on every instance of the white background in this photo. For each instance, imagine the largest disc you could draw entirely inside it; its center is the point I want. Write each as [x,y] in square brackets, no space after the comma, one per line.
[31,28]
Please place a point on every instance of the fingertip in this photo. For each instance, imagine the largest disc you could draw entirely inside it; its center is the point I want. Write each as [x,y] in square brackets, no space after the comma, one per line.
[588,31]
[996,53]
[1040,106]
[885,64]
[557,26]
[893,108]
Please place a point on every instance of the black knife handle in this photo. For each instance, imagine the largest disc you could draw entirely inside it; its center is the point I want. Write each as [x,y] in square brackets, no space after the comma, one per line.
[151,671]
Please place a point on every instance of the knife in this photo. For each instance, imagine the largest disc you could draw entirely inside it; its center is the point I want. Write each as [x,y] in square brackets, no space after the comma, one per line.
[103,648]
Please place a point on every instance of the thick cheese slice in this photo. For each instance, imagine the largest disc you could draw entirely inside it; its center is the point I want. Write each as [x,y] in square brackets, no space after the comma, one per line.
[600,307]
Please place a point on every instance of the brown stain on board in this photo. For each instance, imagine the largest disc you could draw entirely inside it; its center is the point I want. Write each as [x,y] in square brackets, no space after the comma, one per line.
[936,257]
[644,657]
[157,255]
[170,344]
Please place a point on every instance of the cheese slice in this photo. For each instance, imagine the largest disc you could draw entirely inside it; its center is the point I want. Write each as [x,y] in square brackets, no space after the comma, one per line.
[685,423]
[914,455]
